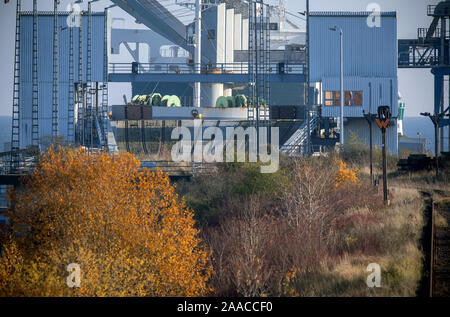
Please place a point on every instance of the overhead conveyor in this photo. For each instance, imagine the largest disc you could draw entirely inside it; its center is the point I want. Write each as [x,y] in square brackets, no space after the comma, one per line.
[157,18]
[432,50]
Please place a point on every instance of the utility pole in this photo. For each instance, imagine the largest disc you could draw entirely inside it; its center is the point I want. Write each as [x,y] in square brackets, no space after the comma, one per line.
[370,117]
[198,50]
[435,119]
[342,86]
[308,110]
[384,116]
[342,96]
[255,19]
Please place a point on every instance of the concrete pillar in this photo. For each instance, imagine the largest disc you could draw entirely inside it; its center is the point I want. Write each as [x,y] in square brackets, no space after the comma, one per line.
[221,33]
[244,36]
[229,36]
[210,93]
[238,32]
[227,91]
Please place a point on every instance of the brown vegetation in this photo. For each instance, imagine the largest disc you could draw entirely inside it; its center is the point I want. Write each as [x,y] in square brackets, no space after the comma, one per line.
[125,227]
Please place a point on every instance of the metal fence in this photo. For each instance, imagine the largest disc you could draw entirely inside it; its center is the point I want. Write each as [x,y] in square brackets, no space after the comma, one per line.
[183,68]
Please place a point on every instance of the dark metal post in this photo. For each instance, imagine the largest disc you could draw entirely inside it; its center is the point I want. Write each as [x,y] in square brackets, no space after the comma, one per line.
[435,119]
[369,117]
[255,9]
[436,144]
[431,248]
[308,80]
[383,119]
[370,150]
[385,193]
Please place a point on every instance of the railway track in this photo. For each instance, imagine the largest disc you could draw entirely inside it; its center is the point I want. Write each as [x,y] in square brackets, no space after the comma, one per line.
[440,249]
[436,246]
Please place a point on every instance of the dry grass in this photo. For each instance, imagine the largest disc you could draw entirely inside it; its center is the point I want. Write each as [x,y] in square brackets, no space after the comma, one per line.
[391,240]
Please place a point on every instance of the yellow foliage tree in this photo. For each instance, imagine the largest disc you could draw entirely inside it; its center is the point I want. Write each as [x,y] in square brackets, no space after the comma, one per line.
[124,226]
[345,174]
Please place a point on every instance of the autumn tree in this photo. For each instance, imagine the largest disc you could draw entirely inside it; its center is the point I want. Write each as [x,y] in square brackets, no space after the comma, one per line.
[124,226]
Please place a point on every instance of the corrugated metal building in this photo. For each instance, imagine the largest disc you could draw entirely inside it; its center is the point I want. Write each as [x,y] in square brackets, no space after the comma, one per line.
[370,68]
[45,68]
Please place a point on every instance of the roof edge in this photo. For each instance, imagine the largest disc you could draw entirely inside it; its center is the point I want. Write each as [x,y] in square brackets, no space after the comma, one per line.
[351,13]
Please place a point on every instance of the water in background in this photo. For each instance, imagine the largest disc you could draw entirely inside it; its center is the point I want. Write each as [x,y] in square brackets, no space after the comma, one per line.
[413,125]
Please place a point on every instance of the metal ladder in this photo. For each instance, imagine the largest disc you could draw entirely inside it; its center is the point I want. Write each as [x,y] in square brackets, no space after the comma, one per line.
[55,128]
[104,114]
[267,68]
[251,62]
[80,97]
[89,111]
[261,52]
[35,81]
[71,106]
[15,128]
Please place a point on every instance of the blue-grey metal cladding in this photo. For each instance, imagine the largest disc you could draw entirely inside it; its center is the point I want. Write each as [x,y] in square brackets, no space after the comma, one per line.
[45,66]
[357,130]
[368,51]
[370,66]
[376,92]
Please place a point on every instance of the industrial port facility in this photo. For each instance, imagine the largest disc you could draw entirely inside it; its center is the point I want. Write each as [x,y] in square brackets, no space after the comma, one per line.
[123,112]
[237,63]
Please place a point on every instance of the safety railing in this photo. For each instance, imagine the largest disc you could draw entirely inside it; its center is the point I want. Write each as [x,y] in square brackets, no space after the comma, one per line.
[422,33]
[417,55]
[296,143]
[183,68]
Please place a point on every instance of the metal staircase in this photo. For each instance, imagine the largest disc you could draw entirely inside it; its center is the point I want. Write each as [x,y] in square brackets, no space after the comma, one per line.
[297,143]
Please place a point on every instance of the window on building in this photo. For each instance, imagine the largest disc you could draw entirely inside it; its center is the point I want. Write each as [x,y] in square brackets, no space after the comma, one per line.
[328,98]
[352,98]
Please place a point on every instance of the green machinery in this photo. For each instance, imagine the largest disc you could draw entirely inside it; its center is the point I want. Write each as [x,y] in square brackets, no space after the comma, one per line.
[156,100]
[238,101]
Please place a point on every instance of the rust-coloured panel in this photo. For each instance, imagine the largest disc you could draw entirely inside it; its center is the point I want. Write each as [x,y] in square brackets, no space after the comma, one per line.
[147,113]
[133,113]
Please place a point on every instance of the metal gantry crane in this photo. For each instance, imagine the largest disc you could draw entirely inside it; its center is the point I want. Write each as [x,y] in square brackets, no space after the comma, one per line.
[431,50]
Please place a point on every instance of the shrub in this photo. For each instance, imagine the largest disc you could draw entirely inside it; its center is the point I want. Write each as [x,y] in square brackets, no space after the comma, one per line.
[125,227]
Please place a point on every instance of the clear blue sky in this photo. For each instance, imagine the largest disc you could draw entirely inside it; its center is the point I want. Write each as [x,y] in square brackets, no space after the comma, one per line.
[416,86]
